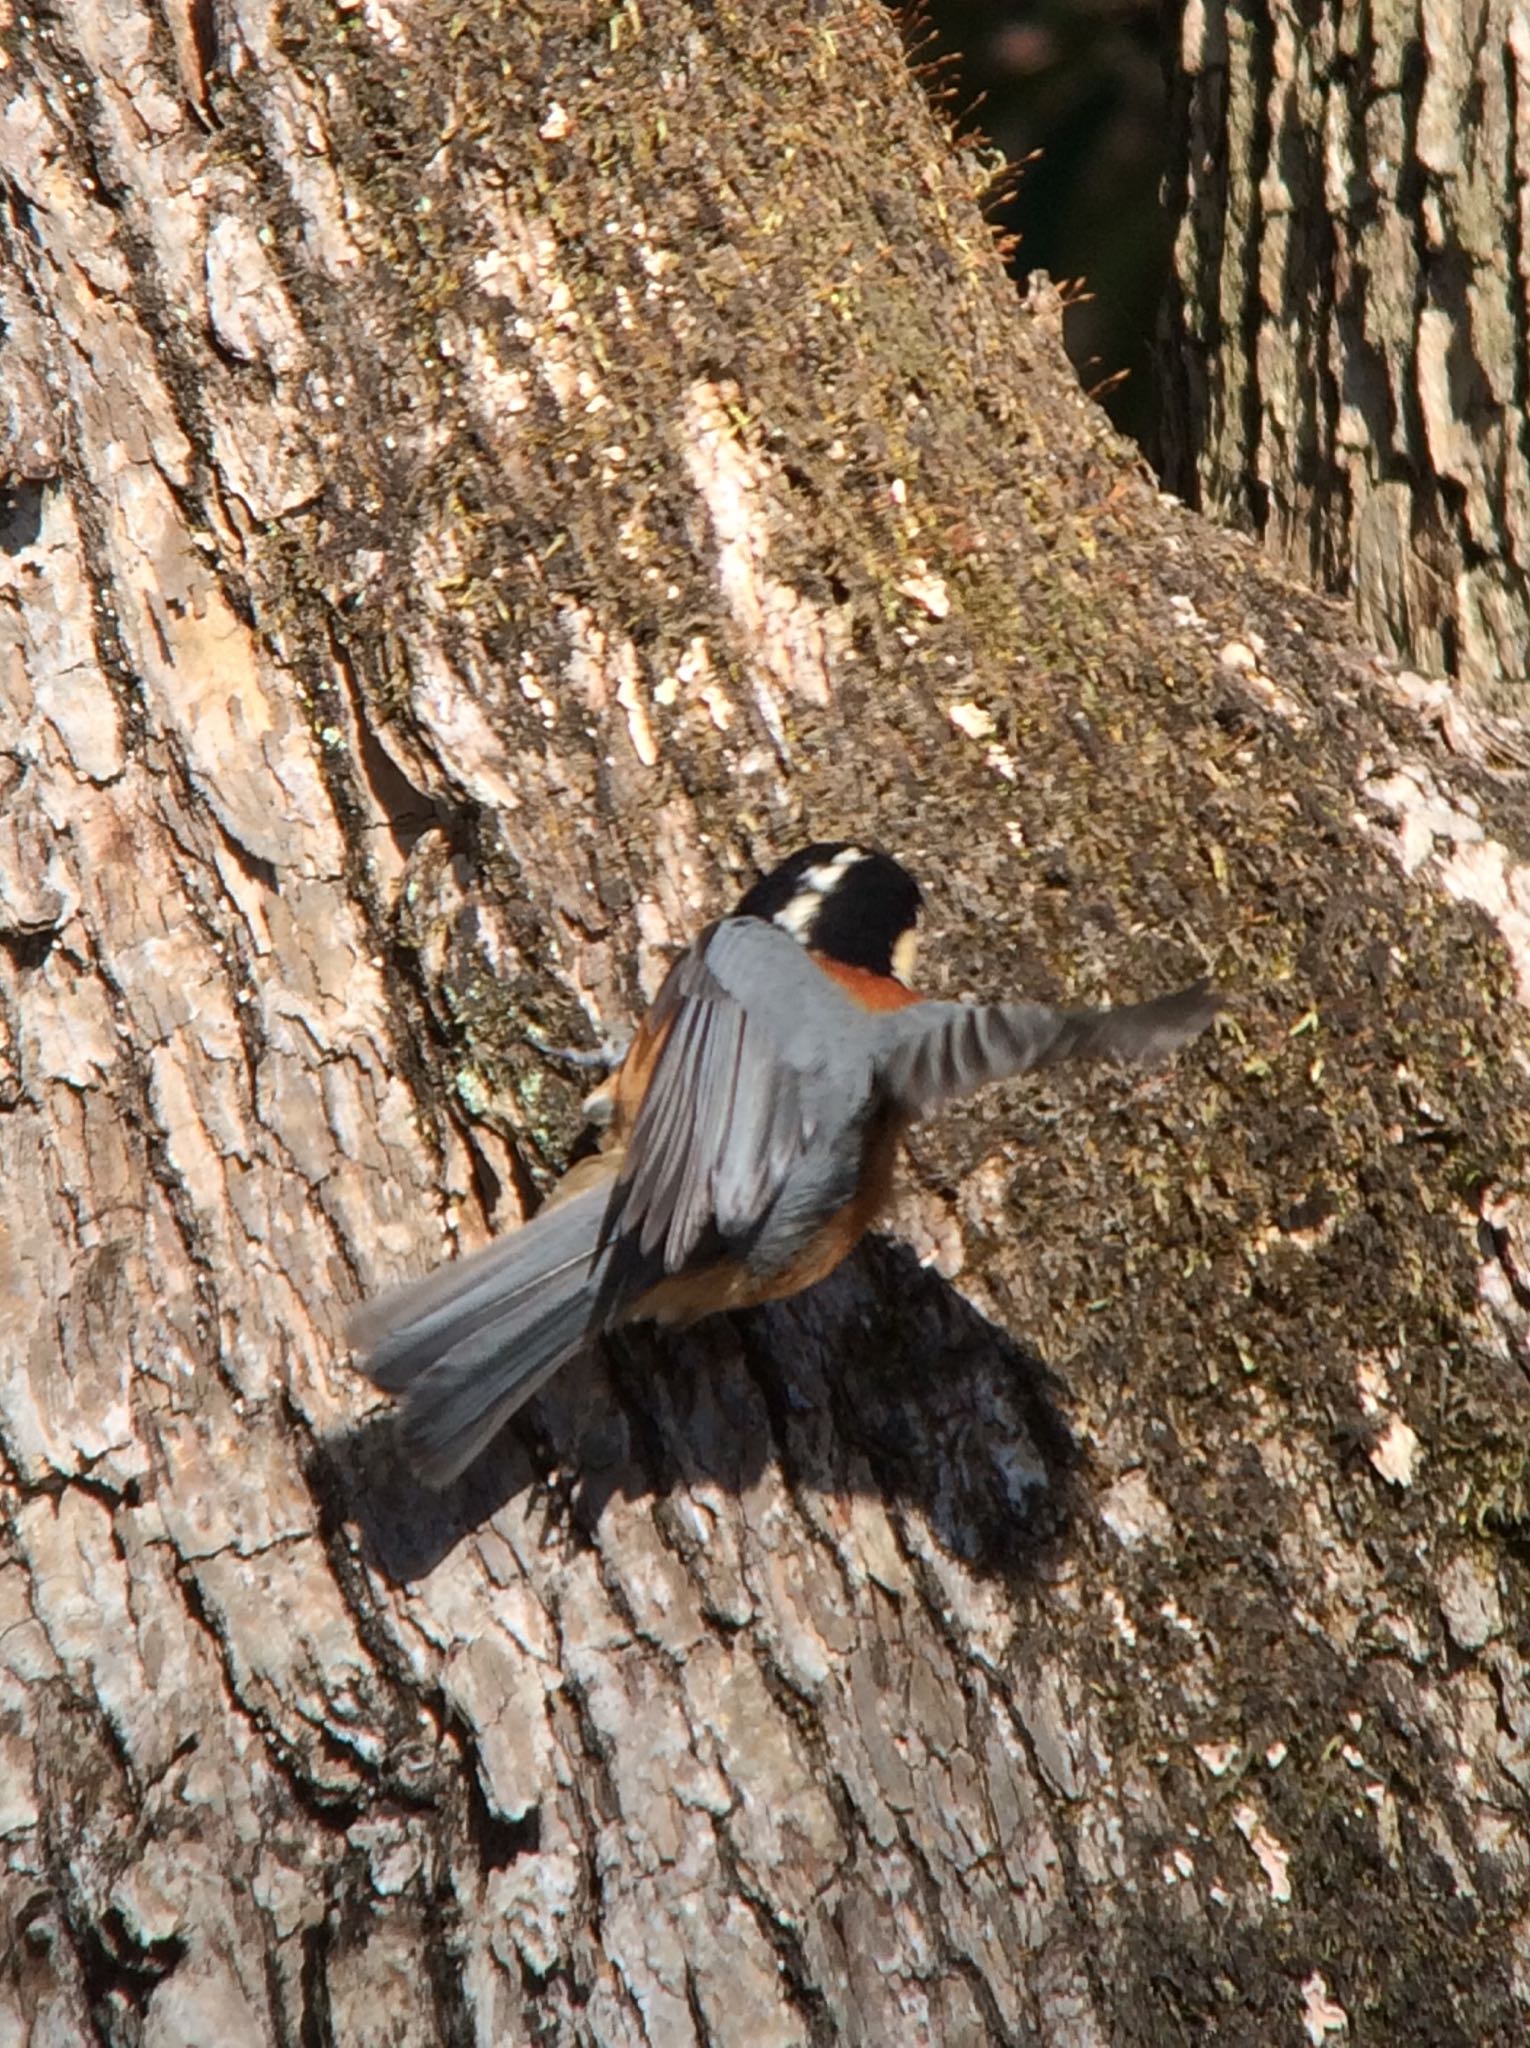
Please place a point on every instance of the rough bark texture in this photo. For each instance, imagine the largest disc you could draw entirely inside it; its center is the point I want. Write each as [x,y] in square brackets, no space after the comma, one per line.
[1348,367]
[480,479]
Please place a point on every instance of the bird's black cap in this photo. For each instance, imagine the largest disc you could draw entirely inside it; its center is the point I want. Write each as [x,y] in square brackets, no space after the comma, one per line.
[847,901]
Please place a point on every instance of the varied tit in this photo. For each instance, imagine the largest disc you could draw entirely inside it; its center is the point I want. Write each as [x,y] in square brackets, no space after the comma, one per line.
[755,1122]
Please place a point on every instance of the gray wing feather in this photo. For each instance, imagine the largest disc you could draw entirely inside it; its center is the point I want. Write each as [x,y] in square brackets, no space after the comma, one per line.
[935,1052]
[768,1138]
[760,1036]
[646,1195]
[710,1057]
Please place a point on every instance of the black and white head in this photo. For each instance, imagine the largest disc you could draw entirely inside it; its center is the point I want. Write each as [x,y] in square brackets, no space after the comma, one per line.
[850,903]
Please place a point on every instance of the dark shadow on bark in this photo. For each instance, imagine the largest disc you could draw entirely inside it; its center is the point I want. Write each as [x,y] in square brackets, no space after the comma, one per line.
[883,1380]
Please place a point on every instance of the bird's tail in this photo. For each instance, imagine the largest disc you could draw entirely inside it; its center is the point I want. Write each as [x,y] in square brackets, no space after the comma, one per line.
[465,1346]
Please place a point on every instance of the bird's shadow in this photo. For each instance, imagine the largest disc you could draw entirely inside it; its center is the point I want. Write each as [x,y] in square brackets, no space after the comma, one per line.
[882,1380]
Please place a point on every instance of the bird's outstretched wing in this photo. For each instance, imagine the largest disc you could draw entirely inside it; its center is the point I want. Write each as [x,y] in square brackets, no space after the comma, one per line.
[759,1053]
[934,1052]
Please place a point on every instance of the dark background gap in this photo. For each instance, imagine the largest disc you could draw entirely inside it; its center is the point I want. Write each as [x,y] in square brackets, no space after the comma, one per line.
[1083,82]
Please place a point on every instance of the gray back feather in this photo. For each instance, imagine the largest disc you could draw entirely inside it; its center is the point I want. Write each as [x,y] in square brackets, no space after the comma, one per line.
[765,1057]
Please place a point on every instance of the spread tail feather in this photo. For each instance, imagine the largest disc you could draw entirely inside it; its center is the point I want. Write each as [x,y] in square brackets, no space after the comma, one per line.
[467,1345]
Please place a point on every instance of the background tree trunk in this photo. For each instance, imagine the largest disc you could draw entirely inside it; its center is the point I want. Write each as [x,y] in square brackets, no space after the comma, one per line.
[480,480]
[1347,371]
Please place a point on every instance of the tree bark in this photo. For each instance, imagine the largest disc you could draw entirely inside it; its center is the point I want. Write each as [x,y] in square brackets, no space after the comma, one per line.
[1347,368]
[481,481]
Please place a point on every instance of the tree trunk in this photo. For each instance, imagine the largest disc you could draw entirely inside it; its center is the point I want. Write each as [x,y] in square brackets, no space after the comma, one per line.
[1348,363]
[481,481]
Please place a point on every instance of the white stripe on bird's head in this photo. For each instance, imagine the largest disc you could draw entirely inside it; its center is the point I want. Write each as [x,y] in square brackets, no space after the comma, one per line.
[813,885]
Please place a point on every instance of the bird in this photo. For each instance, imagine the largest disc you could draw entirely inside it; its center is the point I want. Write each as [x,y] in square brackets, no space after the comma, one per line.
[754,1126]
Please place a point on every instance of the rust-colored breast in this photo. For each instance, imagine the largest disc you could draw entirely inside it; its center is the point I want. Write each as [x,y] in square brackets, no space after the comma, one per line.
[870,991]
[631,1083]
